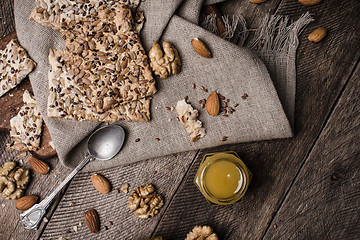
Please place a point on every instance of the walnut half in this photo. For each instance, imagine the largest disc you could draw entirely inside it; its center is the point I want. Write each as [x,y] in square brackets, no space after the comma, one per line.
[201,233]
[13,180]
[164,63]
[145,201]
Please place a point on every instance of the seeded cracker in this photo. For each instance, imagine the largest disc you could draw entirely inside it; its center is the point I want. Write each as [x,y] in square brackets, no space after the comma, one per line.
[52,13]
[15,65]
[26,126]
[104,74]
[76,105]
[188,118]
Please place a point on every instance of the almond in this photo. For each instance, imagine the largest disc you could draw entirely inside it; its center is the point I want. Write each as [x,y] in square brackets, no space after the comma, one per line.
[39,166]
[212,104]
[201,48]
[100,183]
[317,35]
[257,1]
[92,220]
[310,2]
[26,202]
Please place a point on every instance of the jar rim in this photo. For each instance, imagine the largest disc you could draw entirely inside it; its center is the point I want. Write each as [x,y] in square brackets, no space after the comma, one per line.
[210,159]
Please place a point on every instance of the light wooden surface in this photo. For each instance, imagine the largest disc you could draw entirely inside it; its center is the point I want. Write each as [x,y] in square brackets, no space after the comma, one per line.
[306,187]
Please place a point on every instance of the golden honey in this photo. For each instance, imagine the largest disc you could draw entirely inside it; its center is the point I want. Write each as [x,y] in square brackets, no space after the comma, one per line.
[222,177]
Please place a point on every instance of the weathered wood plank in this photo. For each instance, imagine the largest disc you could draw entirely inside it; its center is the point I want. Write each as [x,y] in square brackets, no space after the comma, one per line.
[40,185]
[324,201]
[323,70]
[165,173]
[7,21]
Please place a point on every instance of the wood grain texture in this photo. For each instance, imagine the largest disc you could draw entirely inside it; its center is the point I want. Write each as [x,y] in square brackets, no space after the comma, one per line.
[11,103]
[323,70]
[40,185]
[7,21]
[324,202]
[165,173]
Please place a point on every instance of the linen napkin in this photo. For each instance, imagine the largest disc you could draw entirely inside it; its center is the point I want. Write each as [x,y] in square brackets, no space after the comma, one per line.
[232,71]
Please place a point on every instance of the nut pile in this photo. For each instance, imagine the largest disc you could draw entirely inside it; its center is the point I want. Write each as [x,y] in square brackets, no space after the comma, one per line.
[164,63]
[15,65]
[26,126]
[13,180]
[188,118]
[104,73]
[145,201]
[201,232]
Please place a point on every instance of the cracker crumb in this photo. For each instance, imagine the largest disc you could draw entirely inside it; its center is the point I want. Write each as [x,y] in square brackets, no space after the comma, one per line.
[124,188]
[188,118]
[45,219]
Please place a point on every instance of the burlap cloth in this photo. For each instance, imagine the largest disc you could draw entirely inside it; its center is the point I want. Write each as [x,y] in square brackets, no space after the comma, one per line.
[232,71]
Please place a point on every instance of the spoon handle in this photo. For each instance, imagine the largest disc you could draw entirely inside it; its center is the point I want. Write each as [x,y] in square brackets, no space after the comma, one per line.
[47,201]
[31,218]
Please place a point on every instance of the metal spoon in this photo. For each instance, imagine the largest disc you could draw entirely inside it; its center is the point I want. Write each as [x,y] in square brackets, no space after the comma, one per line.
[103,144]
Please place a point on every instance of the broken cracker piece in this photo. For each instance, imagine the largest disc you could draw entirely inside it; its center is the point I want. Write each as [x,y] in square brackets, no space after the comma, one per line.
[26,126]
[188,118]
[15,65]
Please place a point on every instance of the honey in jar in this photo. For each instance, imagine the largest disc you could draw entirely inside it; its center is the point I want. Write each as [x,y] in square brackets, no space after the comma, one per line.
[222,178]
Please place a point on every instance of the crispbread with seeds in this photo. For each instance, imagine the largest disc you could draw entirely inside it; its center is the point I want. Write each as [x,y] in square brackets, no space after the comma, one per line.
[15,65]
[109,43]
[68,98]
[53,13]
[188,118]
[104,73]
[26,126]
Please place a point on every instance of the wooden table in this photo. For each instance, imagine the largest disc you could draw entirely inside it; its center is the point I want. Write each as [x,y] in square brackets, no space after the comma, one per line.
[306,187]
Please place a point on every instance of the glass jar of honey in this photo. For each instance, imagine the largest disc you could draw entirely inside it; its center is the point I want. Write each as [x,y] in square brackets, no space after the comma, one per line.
[222,177]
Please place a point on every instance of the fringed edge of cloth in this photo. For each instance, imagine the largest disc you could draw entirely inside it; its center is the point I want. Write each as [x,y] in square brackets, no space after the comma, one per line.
[236,30]
[274,34]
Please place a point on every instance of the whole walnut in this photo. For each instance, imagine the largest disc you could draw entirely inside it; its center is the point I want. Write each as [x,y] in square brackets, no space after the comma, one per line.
[201,233]
[164,63]
[13,180]
[145,201]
